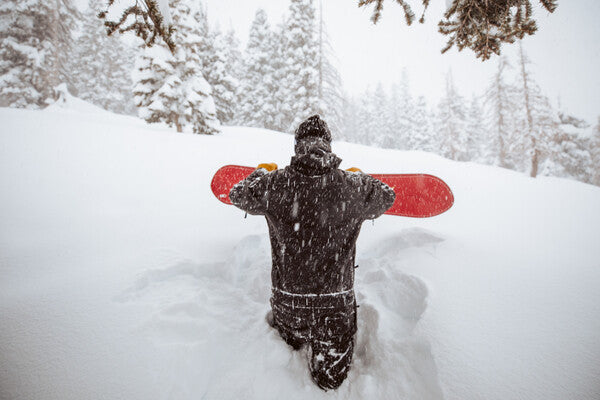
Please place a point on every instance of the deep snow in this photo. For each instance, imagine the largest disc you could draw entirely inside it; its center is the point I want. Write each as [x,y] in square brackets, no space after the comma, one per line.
[122,276]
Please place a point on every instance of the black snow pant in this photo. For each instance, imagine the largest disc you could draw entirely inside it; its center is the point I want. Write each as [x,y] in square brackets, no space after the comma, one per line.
[327,323]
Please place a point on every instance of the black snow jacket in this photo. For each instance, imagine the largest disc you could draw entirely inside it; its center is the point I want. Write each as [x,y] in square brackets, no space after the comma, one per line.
[314,212]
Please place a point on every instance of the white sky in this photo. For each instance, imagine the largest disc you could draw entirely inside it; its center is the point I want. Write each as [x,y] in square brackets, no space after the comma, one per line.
[565,50]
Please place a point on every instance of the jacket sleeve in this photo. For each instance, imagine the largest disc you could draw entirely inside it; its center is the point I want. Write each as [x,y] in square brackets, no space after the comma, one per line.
[252,194]
[379,197]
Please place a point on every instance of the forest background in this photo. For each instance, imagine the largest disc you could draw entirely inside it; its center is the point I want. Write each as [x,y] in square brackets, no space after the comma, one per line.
[271,64]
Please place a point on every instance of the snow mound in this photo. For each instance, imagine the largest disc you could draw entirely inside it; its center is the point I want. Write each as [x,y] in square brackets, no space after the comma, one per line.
[216,312]
[67,102]
[123,277]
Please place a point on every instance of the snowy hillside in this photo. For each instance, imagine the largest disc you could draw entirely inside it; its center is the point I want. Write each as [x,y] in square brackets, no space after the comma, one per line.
[122,277]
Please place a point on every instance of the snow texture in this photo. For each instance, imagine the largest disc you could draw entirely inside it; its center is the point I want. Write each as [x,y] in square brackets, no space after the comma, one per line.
[122,276]
[165,11]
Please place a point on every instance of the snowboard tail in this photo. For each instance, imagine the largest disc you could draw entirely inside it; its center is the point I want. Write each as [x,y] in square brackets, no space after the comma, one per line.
[417,195]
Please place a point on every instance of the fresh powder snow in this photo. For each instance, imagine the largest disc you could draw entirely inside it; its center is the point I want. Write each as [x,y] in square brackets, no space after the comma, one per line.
[123,277]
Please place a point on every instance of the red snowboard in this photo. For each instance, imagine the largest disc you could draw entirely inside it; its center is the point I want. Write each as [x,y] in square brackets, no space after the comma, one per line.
[417,195]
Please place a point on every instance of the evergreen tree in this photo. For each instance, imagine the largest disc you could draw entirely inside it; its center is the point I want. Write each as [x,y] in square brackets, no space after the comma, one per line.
[35,39]
[568,150]
[500,110]
[101,65]
[258,102]
[330,83]
[233,54]
[537,122]
[404,124]
[349,124]
[150,70]
[300,86]
[278,61]
[595,154]
[220,77]
[378,126]
[375,118]
[421,137]
[170,87]
[365,125]
[235,64]
[474,132]
[451,122]
[392,111]
[212,52]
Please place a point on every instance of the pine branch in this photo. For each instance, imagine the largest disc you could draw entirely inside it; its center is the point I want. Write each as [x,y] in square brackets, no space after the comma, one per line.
[148,23]
[409,15]
[480,25]
[483,26]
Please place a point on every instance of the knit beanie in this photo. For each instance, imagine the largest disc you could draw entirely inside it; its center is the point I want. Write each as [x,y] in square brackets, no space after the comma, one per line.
[313,127]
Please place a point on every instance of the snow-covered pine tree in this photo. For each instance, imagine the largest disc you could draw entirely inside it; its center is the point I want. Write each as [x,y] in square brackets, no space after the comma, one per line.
[404,124]
[212,52]
[538,122]
[278,61]
[367,126]
[170,87]
[300,86]
[500,108]
[394,123]
[422,136]
[235,64]
[220,77]
[380,130]
[35,40]
[235,59]
[364,121]
[474,132]
[451,123]
[101,65]
[349,124]
[150,70]
[595,153]
[257,93]
[568,150]
[330,83]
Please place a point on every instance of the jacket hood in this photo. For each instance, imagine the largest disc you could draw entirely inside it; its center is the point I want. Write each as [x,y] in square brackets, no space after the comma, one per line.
[314,157]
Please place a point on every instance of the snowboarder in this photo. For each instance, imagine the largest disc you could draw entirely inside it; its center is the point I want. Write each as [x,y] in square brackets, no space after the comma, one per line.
[314,212]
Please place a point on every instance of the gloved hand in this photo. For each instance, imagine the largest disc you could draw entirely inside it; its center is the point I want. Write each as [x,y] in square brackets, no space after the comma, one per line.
[268,166]
[354,169]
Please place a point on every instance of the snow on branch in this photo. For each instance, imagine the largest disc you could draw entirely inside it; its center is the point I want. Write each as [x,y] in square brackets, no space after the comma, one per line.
[147,19]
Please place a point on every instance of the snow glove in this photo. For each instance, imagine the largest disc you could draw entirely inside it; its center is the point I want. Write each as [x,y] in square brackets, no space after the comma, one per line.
[268,166]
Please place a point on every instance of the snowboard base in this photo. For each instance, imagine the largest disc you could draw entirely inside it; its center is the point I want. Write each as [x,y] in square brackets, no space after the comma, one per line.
[417,195]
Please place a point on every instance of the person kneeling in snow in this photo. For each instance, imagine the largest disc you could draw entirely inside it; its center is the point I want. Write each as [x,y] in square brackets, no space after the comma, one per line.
[314,212]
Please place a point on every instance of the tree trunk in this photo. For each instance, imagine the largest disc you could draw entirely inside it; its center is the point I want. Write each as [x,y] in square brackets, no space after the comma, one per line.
[320,51]
[502,153]
[177,124]
[527,101]
[535,160]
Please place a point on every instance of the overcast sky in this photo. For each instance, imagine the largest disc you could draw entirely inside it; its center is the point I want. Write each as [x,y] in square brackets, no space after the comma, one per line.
[565,51]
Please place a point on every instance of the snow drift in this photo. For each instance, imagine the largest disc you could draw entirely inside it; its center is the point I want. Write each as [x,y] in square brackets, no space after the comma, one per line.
[122,277]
